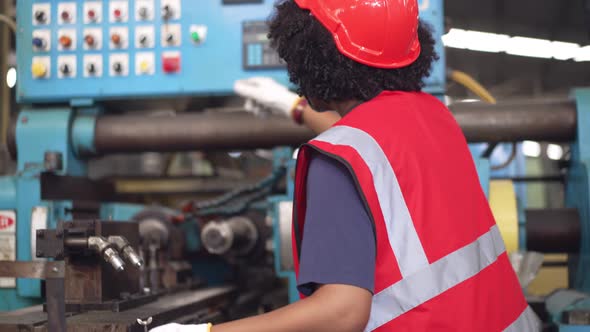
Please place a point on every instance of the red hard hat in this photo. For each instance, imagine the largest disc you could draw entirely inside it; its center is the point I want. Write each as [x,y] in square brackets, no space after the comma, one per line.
[377,33]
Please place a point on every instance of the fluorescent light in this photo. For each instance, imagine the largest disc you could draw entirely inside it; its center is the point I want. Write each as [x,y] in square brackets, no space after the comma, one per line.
[235,154]
[11,78]
[554,152]
[583,54]
[455,38]
[469,100]
[521,46]
[564,51]
[531,47]
[531,149]
[475,40]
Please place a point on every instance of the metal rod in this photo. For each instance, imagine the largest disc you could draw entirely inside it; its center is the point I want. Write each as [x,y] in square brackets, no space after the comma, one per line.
[545,121]
[553,230]
[517,121]
[186,132]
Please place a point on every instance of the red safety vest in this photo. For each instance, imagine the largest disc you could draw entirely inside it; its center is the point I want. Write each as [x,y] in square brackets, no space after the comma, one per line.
[441,263]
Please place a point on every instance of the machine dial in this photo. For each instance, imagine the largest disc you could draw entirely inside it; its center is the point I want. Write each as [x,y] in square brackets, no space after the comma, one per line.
[40,16]
[118,67]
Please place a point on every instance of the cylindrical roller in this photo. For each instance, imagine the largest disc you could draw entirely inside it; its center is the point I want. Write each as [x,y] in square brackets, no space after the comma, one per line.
[236,235]
[505,122]
[192,131]
[553,230]
[517,121]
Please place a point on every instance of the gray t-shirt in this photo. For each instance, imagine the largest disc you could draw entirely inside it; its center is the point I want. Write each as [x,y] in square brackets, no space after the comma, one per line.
[338,245]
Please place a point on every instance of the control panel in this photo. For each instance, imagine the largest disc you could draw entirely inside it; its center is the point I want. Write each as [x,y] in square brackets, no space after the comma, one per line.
[115,49]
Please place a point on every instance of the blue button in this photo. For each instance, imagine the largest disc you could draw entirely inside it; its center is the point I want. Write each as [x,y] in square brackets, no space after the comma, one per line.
[38,42]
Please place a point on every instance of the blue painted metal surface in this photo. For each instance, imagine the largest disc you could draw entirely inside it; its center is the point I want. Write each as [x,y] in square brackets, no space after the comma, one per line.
[207,68]
[578,184]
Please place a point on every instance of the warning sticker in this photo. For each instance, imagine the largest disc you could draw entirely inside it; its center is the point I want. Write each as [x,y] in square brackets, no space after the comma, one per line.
[7,243]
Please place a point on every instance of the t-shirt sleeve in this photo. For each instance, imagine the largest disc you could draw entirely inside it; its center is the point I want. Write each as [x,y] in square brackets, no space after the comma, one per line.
[338,245]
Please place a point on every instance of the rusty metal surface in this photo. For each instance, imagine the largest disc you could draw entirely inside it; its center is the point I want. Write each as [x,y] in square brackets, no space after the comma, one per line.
[33,270]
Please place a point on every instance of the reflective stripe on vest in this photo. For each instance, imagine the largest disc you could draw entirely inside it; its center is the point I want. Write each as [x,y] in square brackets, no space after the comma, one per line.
[421,281]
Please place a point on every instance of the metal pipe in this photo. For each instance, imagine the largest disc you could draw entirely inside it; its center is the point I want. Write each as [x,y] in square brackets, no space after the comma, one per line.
[553,230]
[544,121]
[193,131]
[517,121]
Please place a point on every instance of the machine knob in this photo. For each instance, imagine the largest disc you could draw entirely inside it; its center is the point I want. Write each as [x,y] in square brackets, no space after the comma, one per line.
[91,68]
[41,16]
[167,12]
[65,69]
[90,41]
[237,235]
[39,70]
[39,43]
[143,13]
[170,38]
[65,41]
[65,16]
[143,40]
[118,67]
[116,39]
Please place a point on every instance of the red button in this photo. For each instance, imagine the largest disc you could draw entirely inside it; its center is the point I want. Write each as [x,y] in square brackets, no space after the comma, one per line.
[65,16]
[171,64]
[117,13]
[91,14]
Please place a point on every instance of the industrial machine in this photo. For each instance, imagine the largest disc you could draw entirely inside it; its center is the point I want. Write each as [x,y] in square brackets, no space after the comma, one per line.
[92,73]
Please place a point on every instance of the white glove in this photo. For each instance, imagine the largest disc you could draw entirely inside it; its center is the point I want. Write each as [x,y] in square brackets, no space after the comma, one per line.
[182,328]
[266,92]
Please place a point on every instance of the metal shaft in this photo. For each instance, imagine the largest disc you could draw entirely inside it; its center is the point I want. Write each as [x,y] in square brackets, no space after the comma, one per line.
[544,121]
[186,132]
[517,121]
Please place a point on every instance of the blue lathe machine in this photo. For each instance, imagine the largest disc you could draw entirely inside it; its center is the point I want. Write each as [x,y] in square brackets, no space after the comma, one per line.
[90,69]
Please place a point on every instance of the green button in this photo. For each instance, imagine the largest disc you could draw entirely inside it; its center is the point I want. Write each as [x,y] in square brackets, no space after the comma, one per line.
[195,36]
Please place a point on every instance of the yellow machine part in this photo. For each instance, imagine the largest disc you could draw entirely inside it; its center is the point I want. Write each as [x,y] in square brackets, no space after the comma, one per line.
[503,203]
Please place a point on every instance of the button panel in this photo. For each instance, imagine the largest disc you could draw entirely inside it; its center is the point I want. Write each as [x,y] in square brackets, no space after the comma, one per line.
[101,49]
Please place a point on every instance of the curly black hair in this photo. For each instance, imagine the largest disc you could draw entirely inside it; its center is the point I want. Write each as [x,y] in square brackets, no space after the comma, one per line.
[321,72]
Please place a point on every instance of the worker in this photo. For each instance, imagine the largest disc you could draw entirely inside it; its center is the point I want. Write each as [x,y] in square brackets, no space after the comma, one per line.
[392,231]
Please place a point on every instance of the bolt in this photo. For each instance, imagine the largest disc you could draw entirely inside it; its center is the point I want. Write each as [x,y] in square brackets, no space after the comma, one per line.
[24,119]
[55,269]
[40,233]
[39,253]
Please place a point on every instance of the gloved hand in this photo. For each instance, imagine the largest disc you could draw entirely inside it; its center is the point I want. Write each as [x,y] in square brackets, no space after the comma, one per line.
[266,92]
[182,328]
